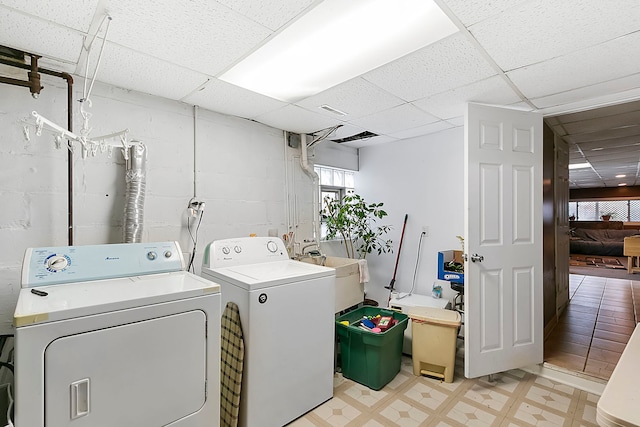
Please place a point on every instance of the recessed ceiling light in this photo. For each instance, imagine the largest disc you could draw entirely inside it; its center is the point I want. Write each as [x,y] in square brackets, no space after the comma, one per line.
[622,184]
[579,165]
[620,176]
[336,41]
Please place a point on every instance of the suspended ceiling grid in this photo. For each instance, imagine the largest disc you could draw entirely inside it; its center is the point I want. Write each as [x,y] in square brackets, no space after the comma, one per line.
[538,55]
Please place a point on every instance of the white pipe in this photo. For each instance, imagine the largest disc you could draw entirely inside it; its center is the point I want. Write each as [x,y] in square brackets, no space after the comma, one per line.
[304,163]
[195,140]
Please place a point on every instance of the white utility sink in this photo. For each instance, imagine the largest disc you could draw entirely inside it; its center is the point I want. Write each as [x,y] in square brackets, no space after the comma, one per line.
[349,290]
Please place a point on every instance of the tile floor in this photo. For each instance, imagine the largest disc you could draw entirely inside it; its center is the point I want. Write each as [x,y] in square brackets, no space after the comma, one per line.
[515,398]
[589,338]
[593,331]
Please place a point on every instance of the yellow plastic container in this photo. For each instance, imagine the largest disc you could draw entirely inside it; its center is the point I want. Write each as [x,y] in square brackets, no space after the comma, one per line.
[433,347]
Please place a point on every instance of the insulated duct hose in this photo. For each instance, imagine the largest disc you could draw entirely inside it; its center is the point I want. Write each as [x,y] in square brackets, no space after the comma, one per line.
[136,171]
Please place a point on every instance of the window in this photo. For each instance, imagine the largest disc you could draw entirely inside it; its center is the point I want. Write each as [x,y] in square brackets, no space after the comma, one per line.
[622,210]
[335,184]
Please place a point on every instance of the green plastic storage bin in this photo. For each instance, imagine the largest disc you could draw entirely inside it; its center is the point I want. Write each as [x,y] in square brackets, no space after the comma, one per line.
[369,358]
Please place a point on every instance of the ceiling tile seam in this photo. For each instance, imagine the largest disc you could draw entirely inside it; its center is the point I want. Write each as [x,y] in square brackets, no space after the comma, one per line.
[137,52]
[471,38]
[196,90]
[584,87]
[39,18]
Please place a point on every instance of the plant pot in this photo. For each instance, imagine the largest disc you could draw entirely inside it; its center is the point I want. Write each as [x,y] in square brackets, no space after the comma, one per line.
[606,217]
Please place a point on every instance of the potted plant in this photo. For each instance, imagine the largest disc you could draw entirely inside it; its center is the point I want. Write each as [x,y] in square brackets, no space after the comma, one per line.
[353,219]
[607,216]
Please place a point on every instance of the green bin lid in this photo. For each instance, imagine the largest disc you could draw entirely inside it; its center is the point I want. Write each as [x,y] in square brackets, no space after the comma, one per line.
[435,316]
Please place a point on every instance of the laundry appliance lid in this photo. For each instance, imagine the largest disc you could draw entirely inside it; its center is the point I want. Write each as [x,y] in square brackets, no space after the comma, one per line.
[72,300]
[268,274]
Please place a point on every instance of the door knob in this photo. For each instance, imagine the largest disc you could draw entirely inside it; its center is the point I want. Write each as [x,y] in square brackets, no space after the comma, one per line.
[477,258]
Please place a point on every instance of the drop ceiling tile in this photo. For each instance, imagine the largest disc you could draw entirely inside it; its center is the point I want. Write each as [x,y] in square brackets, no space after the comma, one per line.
[614,91]
[76,14]
[271,14]
[132,70]
[542,29]
[199,34]
[608,61]
[493,90]
[472,11]
[23,32]
[456,121]
[442,66]
[296,119]
[394,120]
[226,98]
[423,130]
[356,97]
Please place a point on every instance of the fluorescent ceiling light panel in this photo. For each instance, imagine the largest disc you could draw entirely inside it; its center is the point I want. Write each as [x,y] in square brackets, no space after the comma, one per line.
[337,41]
[579,165]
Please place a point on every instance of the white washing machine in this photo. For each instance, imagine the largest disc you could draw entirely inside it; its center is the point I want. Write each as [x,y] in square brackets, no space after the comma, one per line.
[287,315]
[115,335]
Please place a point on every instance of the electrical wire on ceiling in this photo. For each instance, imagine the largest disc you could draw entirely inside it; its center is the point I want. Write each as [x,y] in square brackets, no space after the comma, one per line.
[322,135]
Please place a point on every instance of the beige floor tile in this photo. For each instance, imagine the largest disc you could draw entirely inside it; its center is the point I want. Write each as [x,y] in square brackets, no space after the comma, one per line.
[401,413]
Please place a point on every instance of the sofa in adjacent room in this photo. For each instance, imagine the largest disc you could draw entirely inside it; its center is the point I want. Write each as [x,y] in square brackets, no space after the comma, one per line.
[591,240]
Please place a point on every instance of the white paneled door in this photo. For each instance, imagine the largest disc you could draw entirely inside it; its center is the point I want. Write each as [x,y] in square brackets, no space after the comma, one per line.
[503,240]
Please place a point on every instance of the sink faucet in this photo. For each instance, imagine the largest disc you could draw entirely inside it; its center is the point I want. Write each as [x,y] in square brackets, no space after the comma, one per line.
[314,253]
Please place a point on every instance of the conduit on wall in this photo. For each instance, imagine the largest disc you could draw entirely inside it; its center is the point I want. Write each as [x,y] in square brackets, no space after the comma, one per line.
[34,80]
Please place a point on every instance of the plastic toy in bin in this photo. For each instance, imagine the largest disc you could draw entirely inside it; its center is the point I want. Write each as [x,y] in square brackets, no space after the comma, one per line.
[375,324]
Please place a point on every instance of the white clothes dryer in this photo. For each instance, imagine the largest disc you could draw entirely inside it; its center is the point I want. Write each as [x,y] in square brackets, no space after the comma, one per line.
[288,321]
[115,335]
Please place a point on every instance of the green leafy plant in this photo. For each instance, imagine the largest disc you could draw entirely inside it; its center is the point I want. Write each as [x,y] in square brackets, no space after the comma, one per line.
[353,219]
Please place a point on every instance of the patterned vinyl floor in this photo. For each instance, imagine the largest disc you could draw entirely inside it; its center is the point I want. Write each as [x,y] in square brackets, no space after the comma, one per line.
[515,398]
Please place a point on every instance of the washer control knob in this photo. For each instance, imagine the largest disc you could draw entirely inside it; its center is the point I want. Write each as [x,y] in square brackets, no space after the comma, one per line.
[237,249]
[272,246]
[226,250]
[57,263]
[151,255]
[167,254]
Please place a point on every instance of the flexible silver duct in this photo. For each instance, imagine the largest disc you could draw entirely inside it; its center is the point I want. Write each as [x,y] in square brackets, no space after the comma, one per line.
[136,174]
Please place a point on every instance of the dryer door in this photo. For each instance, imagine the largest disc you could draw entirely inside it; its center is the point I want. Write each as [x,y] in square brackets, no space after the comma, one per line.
[149,373]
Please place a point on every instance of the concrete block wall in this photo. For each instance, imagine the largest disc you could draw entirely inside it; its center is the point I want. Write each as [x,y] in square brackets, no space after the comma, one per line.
[240,173]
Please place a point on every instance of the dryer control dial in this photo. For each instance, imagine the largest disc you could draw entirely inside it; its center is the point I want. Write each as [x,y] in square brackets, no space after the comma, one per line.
[237,249]
[151,255]
[57,263]
[272,246]
[226,250]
